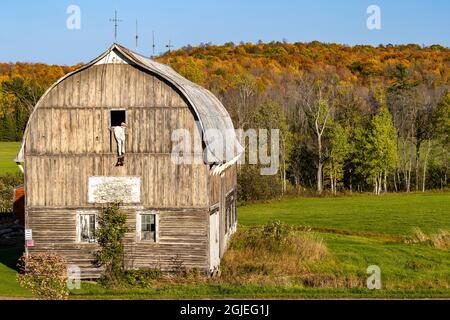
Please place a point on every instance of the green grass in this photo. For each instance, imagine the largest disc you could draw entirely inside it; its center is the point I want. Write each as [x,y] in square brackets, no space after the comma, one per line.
[8,283]
[8,151]
[358,231]
[403,266]
[221,291]
[392,214]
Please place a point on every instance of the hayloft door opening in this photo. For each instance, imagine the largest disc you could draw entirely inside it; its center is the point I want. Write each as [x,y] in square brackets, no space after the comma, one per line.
[116,118]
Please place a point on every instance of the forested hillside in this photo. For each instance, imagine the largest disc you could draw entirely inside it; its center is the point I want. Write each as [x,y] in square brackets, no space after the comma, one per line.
[21,86]
[353,118]
[356,118]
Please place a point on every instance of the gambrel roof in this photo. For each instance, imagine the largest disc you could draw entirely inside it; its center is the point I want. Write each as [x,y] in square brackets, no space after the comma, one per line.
[209,111]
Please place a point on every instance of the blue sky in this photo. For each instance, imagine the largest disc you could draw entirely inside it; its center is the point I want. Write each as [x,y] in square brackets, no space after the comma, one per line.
[36,30]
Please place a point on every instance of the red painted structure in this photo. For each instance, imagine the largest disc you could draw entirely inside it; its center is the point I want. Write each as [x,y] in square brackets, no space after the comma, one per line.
[19,204]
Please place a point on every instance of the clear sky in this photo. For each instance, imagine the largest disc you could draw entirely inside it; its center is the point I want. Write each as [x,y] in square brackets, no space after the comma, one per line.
[36,30]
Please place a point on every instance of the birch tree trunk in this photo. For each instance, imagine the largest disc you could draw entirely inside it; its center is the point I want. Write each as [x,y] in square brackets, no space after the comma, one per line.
[380,182]
[335,184]
[320,160]
[385,181]
[417,164]
[319,178]
[395,180]
[408,177]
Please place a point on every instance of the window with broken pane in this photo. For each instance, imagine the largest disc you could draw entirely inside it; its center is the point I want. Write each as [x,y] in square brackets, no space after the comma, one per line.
[148,227]
[87,228]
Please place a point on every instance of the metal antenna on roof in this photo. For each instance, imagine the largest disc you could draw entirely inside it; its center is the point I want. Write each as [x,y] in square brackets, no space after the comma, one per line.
[169,46]
[153,43]
[115,20]
[137,36]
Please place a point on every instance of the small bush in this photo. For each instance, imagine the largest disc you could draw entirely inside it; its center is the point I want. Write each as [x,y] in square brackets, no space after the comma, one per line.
[272,236]
[140,277]
[276,234]
[280,237]
[309,247]
[7,183]
[177,265]
[44,274]
[110,234]
[270,254]
[253,186]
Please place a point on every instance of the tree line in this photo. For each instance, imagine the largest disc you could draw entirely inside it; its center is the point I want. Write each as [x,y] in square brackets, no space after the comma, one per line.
[351,118]
[358,118]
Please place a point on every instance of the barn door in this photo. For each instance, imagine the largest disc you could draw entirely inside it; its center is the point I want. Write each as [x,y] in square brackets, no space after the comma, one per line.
[214,245]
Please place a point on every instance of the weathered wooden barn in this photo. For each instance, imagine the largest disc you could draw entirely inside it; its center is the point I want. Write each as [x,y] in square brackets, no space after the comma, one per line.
[177,213]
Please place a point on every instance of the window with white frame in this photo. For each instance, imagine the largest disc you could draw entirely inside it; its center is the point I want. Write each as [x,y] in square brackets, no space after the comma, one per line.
[86,225]
[230,211]
[147,226]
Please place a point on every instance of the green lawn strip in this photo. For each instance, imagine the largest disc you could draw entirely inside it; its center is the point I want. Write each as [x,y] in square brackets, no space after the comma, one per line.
[223,291]
[393,214]
[403,266]
[8,284]
[8,151]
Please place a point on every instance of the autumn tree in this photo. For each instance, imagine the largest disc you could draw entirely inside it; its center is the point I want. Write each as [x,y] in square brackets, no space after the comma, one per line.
[441,120]
[441,134]
[270,116]
[241,98]
[337,150]
[315,102]
[378,147]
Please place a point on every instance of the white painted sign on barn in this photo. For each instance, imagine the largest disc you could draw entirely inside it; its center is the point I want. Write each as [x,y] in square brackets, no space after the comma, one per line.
[114,189]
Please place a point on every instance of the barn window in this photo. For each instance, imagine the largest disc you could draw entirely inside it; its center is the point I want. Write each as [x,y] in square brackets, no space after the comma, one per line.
[147,228]
[230,211]
[117,117]
[87,223]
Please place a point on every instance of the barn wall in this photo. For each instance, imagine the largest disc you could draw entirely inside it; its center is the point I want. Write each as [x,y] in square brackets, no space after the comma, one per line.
[182,237]
[69,140]
[74,117]
[218,187]
[62,180]
[215,182]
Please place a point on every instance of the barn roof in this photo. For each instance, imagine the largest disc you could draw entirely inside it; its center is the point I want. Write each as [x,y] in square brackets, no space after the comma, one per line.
[211,114]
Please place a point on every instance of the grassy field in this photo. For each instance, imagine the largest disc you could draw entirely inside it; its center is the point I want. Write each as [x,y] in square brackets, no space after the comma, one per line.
[387,215]
[8,151]
[358,231]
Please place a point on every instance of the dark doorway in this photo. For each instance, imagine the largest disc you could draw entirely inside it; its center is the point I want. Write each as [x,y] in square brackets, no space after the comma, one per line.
[117,117]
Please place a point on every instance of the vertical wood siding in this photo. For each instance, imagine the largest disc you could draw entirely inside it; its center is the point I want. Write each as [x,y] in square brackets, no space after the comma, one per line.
[69,140]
